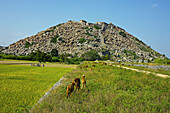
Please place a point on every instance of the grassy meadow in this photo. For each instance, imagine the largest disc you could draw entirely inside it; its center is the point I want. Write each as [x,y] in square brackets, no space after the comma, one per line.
[22,86]
[110,89]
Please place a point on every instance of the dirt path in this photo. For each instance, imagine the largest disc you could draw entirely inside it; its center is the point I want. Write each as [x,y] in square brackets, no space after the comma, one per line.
[148,72]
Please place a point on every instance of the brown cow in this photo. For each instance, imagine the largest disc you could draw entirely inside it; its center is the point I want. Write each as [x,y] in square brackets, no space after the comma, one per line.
[77,83]
[83,82]
[85,66]
[70,89]
[90,68]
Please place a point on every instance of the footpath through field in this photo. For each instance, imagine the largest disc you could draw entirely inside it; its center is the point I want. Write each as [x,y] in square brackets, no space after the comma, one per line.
[148,72]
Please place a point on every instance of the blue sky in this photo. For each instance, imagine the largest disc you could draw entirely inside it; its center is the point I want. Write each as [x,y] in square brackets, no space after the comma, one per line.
[148,20]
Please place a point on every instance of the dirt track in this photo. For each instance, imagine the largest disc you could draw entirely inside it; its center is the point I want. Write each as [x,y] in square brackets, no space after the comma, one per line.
[148,72]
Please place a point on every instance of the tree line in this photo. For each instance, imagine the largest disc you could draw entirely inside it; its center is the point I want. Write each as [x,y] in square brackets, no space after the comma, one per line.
[53,56]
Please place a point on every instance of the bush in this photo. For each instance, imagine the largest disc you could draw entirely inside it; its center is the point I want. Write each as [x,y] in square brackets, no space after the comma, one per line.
[75,60]
[106,57]
[55,59]
[90,56]
[27,44]
[54,52]
[123,34]
[96,27]
[82,40]
[40,56]
[54,39]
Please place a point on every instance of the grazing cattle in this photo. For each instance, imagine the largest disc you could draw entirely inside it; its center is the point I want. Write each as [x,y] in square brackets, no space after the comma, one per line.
[104,63]
[80,67]
[94,65]
[85,66]
[77,83]
[90,68]
[83,82]
[70,89]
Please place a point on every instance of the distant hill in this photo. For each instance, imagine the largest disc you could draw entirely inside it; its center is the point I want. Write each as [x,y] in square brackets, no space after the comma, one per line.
[79,37]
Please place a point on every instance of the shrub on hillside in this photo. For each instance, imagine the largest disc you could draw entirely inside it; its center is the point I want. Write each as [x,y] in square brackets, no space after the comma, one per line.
[91,56]
[55,59]
[96,27]
[82,40]
[27,44]
[54,39]
[123,34]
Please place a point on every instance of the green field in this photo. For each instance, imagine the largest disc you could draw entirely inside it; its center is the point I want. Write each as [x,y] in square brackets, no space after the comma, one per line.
[110,89]
[22,86]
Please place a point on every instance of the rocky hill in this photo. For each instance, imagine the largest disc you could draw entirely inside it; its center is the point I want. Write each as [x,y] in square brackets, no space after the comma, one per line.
[79,37]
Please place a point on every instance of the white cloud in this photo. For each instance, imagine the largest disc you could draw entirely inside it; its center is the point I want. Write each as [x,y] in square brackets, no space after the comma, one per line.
[154,5]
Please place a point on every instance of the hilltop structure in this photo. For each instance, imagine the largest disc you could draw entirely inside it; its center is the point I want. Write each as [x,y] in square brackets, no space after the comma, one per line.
[79,37]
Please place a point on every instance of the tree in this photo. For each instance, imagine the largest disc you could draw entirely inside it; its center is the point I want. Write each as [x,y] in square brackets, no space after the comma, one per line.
[40,56]
[54,53]
[91,55]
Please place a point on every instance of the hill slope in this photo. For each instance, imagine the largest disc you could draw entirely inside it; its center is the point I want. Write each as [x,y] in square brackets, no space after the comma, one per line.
[79,37]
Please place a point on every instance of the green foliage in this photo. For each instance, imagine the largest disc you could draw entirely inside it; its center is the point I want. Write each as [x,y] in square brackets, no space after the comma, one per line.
[22,86]
[144,48]
[60,24]
[87,33]
[50,30]
[40,56]
[96,27]
[123,34]
[95,36]
[162,61]
[3,56]
[54,52]
[106,57]
[130,53]
[139,41]
[85,27]
[91,56]
[54,39]
[82,40]
[55,59]
[110,89]
[74,60]
[27,44]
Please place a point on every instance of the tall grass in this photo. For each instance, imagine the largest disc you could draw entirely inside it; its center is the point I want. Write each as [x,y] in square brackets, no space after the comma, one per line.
[110,89]
[22,86]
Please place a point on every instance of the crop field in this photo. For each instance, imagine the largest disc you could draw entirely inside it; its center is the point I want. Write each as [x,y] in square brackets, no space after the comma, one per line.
[22,86]
[109,89]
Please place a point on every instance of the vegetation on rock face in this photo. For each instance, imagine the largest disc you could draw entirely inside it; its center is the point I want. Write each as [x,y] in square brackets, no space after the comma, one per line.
[82,40]
[27,44]
[54,39]
[110,89]
[50,29]
[96,27]
[123,34]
